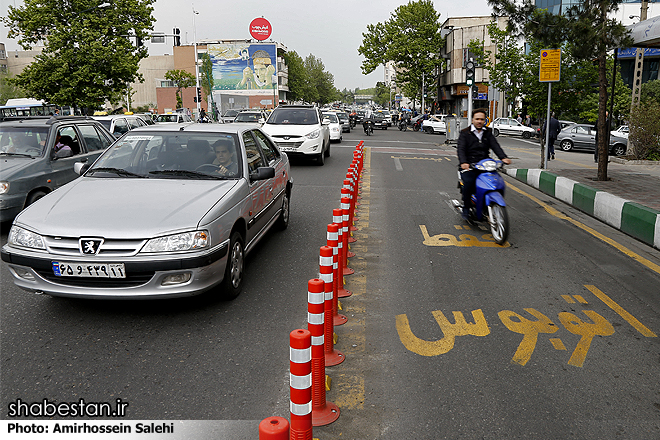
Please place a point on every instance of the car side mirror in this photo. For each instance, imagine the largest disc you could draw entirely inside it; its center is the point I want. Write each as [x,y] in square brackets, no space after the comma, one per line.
[262,173]
[262,120]
[326,121]
[79,168]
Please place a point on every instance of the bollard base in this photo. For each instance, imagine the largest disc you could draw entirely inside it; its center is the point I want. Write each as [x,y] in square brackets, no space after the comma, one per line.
[339,319]
[348,271]
[343,293]
[334,358]
[326,415]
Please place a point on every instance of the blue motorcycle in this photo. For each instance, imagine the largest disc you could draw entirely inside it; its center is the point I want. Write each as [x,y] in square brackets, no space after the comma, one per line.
[488,200]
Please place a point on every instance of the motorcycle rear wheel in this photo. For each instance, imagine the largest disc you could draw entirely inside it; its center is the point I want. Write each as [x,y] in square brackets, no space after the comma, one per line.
[498,220]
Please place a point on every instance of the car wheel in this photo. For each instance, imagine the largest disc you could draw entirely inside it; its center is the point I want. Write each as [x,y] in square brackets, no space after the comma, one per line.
[428,130]
[283,219]
[496,132]
[566,145]
[526,135]
[320,159]
[34,197]
[619,149]
[232,284]
[327,151]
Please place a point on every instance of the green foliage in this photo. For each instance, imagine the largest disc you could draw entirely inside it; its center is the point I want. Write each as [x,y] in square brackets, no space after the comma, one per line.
[182,80]
[9,90]
[651,91]
[89,54]
[411,39]
[645,130]
[309,81]
[206,74]
[381,94]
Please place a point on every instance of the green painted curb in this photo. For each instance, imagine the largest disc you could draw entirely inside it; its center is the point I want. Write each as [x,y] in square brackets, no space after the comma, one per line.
[639,221]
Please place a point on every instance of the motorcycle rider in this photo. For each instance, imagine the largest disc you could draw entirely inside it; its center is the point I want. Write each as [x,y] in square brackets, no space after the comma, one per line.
[474,144]
[368,119]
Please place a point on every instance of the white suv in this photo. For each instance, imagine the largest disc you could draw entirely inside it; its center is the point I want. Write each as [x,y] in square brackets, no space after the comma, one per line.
[299,130]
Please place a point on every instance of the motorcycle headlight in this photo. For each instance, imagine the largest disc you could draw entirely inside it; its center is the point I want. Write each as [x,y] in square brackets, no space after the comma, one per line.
[24,238]
[187,241]
[314,134]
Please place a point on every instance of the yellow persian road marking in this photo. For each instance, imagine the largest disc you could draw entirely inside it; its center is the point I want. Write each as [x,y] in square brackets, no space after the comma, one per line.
[463,240]
[552,211]
[621,312]
[580,299]
[558,344]
[569,299]
[600,327]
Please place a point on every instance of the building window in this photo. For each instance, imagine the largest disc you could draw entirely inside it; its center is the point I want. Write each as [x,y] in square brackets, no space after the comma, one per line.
[167,84]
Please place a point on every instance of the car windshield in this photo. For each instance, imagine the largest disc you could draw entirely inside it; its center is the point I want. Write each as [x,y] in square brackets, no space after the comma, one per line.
[23,141]
[290,116]
[106,123]
[247,117]
[333,117]
[343,117]
[167,118]
[231,113]
[171,155]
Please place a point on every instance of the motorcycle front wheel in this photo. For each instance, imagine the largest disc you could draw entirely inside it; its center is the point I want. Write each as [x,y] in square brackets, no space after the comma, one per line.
[499,222]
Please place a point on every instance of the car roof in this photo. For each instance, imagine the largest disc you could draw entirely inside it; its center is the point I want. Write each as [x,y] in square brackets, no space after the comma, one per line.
[111,117]
[44,120]
[193,127]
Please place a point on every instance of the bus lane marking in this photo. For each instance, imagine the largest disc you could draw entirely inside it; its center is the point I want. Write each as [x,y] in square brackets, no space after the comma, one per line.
[587,329]
[463,240]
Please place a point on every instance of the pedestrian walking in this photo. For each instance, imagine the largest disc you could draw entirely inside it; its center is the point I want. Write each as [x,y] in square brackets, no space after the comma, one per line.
[555,128]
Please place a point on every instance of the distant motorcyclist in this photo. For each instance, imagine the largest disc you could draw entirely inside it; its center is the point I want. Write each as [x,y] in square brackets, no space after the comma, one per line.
[474,144]
[368,119]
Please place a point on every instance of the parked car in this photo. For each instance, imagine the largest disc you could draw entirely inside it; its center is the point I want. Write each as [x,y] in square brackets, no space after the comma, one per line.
[120,124]
[511,127]
[334,126]
[34,162]
[251,117]
[622,131]
[583,137]
[345,121]
[166,211]
[173,118]
[299,130]
[229,116]
[435,124]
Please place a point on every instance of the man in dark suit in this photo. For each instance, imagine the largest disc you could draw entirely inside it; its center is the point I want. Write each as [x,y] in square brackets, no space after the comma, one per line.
[474,144]
[555,128]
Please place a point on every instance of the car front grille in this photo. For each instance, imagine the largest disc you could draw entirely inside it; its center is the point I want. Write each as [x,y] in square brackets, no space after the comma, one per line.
[284,144]
[70,246]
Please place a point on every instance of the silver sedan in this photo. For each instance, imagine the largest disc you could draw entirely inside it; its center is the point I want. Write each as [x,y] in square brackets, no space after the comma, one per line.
[166,211]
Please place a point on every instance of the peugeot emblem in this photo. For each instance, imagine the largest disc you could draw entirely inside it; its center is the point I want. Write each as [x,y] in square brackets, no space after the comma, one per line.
[90,246]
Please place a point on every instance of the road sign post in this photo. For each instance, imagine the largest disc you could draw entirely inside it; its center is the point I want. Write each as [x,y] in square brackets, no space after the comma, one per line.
[549,71]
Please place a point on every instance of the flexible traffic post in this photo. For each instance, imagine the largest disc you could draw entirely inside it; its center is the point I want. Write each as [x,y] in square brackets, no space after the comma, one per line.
[332,315]
[348,236]
[274,428]
[300,384]
[349,183]
[337,217]
[323,412]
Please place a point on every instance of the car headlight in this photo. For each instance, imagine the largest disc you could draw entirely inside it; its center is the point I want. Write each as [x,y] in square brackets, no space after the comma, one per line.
[313,135]
[187,241]
[24,238]
[4,187]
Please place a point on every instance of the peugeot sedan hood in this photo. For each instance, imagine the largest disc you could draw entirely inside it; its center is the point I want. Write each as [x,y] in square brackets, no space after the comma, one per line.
[124,208]
[10,165]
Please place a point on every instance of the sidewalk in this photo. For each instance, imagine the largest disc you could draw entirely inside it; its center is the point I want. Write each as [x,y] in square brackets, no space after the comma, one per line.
[628,201]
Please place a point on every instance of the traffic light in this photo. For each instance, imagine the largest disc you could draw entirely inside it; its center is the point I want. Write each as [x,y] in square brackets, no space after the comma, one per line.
[199,94]
[469,73]
[177,36]
[475,90]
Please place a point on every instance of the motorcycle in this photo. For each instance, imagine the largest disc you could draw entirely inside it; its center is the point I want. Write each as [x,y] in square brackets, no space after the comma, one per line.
[403,125]
[417,125]
[368,128]
[488,200]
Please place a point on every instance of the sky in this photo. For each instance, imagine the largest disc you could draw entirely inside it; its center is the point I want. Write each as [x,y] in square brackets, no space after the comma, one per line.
[329,30]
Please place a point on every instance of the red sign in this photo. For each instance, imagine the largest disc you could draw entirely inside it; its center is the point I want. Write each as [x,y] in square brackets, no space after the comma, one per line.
[260,29]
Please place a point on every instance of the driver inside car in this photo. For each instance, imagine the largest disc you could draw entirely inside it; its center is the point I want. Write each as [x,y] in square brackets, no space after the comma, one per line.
[224,157]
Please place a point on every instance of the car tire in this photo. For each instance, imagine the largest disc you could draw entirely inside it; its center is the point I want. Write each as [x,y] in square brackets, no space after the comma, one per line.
[327,151]
[232,284]
[283,220]
[566,145]
[619,149]
[320,159]
[526,135]
[496,132]
[34,197]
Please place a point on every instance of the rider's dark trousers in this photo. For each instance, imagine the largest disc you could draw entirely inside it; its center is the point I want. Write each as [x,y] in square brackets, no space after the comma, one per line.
[469,186]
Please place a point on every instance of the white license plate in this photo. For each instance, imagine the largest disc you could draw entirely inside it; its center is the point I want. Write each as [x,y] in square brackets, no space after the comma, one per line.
[68,269]
[288,148]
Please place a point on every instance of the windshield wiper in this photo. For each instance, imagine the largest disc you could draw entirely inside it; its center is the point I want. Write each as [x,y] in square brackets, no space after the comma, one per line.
[16,154]
[117,171]
[187,173]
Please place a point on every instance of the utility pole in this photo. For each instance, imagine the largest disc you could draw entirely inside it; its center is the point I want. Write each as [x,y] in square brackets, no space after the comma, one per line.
[197,94]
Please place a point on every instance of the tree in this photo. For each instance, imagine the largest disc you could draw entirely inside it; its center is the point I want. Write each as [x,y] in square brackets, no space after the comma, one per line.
[88,54]
[411,39]
[182,80]
[321,81]
[8,89]
[651,91]
[645,130]
[589,30]
[299,81]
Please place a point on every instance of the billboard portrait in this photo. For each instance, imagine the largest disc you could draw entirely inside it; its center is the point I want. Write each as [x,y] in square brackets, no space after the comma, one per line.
[243,68]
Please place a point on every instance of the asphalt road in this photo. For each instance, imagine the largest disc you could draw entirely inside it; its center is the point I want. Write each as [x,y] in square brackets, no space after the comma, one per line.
[559,338]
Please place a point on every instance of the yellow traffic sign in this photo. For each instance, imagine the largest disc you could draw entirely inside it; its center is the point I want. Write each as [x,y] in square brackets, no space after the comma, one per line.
[550,65]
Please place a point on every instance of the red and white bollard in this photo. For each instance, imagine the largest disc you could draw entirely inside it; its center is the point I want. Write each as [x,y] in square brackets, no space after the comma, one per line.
[274,428]
[345,207]
[323,412]
[332,356]
[300,384]
[338,218]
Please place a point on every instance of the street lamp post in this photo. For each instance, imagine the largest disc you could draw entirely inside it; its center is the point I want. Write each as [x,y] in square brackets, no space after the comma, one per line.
[196,65]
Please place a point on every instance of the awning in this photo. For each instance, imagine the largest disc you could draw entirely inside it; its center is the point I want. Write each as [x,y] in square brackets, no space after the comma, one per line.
[646,33]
